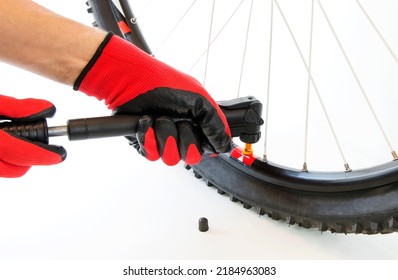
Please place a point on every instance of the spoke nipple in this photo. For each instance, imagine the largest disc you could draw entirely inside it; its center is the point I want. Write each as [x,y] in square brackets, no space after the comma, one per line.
[265,158]
[305,167]
[347,168]
[394,155]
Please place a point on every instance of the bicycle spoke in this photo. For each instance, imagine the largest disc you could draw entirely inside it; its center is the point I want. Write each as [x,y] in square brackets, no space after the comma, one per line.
[216,36]
[382,38]
[307,110]
[245,47]
[356,78]
[332,129]
[175,26]
[208,42]
[271,29]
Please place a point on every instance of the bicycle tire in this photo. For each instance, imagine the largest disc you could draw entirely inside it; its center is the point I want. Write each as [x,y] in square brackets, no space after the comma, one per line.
[364,201]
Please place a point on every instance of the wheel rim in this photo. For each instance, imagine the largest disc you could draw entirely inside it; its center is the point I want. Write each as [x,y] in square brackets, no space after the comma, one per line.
[296,179]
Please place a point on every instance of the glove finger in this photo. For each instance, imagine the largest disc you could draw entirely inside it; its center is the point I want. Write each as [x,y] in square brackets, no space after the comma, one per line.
[29,109]
[215,128]
[12,171]
[145,142]
[201,108]
[188,143]
[166,136]
[18,151]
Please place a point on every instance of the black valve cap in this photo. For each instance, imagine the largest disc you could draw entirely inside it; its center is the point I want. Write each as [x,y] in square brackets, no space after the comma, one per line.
[203,224]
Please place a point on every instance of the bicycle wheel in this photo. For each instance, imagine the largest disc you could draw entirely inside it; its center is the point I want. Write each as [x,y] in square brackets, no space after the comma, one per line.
[363,200]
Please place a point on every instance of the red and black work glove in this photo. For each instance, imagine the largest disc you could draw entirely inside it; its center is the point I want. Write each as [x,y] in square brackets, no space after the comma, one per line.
[17,154]
[133,82]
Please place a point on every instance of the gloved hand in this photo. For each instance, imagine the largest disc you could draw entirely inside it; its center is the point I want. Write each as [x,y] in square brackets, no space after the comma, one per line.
[133,82]
[18,155]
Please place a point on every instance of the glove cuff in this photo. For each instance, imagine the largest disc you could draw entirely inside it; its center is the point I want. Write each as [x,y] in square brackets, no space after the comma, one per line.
[117,72]
[92,61]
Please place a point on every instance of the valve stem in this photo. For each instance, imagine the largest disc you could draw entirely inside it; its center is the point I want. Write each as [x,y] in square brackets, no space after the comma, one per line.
[248,149]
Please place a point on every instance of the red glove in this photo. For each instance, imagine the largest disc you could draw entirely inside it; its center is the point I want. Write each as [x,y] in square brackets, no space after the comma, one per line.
[17,154]
[133,82]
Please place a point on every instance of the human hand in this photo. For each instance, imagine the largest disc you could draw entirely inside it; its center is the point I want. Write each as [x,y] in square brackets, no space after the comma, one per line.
[132,82]
[18,155]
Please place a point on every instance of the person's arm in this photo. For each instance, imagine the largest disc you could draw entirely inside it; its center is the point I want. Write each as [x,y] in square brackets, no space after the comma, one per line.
[40,41]
[113,70]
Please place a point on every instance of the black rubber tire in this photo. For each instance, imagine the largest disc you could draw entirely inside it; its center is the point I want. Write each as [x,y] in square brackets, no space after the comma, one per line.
[356,202]
[369,211]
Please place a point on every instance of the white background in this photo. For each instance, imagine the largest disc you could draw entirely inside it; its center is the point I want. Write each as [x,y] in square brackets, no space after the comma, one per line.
[106,202]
